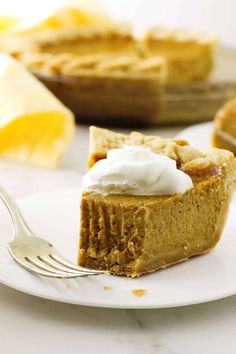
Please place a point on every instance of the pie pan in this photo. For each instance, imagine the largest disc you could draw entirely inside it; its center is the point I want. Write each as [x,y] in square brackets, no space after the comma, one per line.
[112,101]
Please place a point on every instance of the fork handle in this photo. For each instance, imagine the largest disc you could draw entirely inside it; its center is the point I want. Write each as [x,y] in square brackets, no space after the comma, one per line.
[19,223]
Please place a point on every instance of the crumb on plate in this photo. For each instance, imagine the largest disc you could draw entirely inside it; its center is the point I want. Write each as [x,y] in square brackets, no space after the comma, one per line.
[138,292]
[108,287]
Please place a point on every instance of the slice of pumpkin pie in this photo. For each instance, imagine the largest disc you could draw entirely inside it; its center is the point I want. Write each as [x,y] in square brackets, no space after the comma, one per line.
[151,202]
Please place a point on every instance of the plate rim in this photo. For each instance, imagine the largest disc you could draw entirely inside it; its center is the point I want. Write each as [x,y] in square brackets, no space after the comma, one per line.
[117,306]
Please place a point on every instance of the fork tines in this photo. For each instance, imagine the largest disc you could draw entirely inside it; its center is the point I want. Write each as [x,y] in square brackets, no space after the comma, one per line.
[54,266]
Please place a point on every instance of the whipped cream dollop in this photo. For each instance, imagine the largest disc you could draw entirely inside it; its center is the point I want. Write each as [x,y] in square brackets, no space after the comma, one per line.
[135,170]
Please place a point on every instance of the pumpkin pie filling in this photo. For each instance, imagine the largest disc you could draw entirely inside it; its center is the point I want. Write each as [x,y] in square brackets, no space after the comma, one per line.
[136,234]
[190,56]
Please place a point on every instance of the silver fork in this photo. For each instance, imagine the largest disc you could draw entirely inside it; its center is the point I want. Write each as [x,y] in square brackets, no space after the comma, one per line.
[36,254]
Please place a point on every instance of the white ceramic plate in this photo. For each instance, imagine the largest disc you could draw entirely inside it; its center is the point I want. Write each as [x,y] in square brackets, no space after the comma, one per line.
[55,216]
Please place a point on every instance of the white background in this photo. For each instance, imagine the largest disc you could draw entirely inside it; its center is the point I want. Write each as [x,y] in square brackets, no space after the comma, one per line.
[217,16]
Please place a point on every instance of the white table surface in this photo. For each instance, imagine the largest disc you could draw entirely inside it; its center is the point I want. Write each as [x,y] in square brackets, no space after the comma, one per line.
[30,325]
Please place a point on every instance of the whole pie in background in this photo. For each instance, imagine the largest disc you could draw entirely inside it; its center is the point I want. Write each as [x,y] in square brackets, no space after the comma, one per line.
[88,61]
[80,55]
